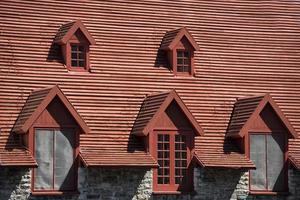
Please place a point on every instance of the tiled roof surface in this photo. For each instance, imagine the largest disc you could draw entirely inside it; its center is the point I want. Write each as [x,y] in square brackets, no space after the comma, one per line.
[152,108]
[109,158]
[246,48]
[231,160]
[32,103]
[242,111]
[148,109]
[17,157]
[63,30]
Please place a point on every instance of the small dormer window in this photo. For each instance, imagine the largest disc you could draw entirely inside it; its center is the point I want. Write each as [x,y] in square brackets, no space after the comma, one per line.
[183,61]
[180,46]
[75,40]
[78,55]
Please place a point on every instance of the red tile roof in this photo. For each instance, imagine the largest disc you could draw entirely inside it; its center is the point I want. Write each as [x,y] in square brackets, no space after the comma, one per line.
[17,157]
[247,109]
[111,158]
[67,30]
[152,108]
[37,102]
[246,47]
[224,160]
[172,37]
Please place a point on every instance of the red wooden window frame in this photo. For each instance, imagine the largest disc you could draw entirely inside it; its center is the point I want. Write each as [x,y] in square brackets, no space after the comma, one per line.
[76,163]
[166,177]
[69,57]
[285,165]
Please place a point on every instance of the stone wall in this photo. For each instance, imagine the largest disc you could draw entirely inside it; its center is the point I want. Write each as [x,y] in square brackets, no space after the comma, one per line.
[136,184]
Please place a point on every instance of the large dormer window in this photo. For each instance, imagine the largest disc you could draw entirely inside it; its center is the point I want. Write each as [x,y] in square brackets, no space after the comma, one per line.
[262,130]
[180,46]
[75,41]
[172,130]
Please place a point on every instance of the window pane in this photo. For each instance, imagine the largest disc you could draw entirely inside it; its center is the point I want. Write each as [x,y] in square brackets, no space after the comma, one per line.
[258,156]
[74,47]
[81,64]
[275,161]
[74,63]
[179,61]
[64,157]
[80,48]
[44,157]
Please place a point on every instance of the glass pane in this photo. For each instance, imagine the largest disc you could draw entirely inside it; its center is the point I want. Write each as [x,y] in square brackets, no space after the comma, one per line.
[74,56]
[180,69]
[160,171]
[179,61]
[81,48]
[186,54]
[74,47]
[160,180]
[74,63]
[166,163]
[275,161]
[166,171]
[81,56]
[81,63]
[258,156]
[44,157]
[64,157]
[180,54]
[166,180]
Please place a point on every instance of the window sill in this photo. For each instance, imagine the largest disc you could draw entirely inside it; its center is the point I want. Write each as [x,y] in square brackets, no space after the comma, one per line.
[54,193]
[267,193]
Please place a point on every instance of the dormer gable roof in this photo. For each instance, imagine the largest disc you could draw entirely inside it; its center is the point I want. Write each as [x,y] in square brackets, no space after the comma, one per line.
[153,106]
[67,30]
[172,38]
[246,110]
[37,102]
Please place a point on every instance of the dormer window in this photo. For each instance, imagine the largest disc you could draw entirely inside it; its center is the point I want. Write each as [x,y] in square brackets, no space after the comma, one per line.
[180,46]
[262,131]
[183,61]
[78,55]
[75,40]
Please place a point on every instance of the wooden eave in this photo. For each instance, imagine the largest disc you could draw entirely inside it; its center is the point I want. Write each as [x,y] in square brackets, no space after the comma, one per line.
[77,25]
[51,94]
[177,37]
[264,101]
[172,95]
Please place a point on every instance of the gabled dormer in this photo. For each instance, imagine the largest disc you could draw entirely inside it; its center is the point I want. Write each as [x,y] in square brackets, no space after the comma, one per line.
[180,45]
[75,40]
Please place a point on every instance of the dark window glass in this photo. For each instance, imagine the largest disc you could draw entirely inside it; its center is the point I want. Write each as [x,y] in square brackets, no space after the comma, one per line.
[78,55]
[163,156]
[180,158]
[183,61]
